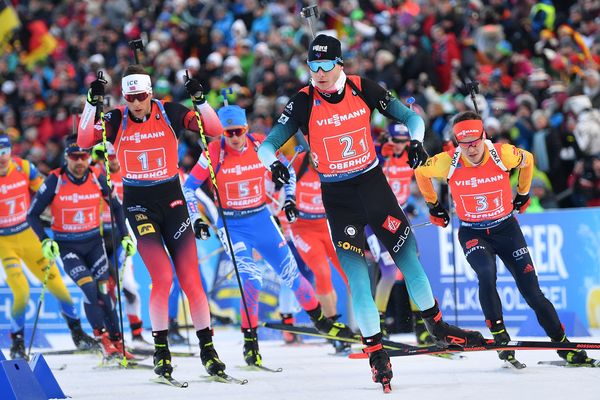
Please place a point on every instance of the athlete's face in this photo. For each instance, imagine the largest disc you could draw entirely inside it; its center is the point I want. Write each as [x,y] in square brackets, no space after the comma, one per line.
[400,144]
[325,80]
[4,160]
[474,150]
[139,104]
[77,163]
[235,136]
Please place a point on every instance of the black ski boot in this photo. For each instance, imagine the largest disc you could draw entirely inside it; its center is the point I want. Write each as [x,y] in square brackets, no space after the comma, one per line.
[162,355]
[445,334]
[251,353]
[81,339]
[17,349]
[208,354]
[328,326]
[423,336]
[501,337]
[381,368]
[574,357]
[174,335]
[289,337]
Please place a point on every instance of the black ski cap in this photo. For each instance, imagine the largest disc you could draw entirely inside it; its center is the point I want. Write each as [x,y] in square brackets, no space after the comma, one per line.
[325,47]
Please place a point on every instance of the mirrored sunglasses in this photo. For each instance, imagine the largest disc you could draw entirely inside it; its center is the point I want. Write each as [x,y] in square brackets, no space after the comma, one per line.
[78,156]
[136,96]
[235,132]
[325,65]
[4,150]
[400,140]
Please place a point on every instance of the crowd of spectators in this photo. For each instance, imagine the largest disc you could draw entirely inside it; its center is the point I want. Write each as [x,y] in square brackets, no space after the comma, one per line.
[537,65]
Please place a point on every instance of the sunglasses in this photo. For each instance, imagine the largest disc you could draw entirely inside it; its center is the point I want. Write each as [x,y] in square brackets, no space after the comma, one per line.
[137,96]
[397,140]
[474,143]
[4,151]
[79,156]
[325,65]
[237,132]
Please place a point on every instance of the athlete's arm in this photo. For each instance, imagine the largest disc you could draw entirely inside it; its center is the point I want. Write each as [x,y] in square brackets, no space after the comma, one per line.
[198,175]
[435,167]
[388,105]
[42,199]
[115,205]
[293,117]
[35,178]
[89,131]
[514,157]
[290,187]
[182,117]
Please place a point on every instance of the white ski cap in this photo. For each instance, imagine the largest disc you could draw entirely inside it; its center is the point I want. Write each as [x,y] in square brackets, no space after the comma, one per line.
[136,83]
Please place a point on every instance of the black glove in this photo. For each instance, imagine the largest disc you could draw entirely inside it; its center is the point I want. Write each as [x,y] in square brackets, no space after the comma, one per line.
[417,155]
[195,90]
[279,173]
[438,214]
[201,230]
[291,212]
[521,202]
[96,92]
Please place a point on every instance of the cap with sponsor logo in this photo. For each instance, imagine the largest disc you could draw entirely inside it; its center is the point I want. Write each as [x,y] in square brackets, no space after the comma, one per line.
[325,47]
[136,83]
[398,131]
[468,130]
[71,145]
[232,116]
[5,141]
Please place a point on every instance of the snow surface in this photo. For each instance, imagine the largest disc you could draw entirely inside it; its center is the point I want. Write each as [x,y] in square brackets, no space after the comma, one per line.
[309,370]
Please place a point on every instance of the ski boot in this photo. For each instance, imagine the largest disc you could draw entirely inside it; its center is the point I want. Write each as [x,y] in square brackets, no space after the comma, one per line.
[81,339]
[289,337]
[251,352]
[106,345]
[382,325]
[118,344]
[174,335]
[328,326]
[423,336]
[208,354]
[17,349]
[162,355]
[573,357]
[381,368]
[445,334]
[501,337]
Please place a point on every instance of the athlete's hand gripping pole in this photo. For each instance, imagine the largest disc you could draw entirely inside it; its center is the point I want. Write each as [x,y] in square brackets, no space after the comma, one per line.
[213,179]
[100,112]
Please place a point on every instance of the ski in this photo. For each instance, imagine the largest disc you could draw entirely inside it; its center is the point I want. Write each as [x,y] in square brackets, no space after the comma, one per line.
[562,363]
[226,378]
[489,345]
[109,364]
[168,380]
[514,363]
[260,368]
[150,352]
[70,352]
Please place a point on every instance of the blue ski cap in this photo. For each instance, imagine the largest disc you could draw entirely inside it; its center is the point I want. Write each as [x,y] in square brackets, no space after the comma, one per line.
[71,145]
[232,116]
[5,141]
[398,131]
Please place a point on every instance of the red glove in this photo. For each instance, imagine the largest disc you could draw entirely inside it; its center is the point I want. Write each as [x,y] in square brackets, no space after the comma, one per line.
[387,150]
[438,214]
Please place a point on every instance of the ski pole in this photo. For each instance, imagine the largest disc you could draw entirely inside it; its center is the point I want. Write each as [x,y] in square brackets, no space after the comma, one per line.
[39,306]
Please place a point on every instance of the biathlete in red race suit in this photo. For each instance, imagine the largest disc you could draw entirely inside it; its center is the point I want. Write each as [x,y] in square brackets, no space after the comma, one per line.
[334,111]
[310,233]
[144,133]
[240,180]
[74,194]
[478,175]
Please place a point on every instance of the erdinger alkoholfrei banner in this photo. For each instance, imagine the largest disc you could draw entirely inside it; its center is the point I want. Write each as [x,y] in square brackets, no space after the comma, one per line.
[565,248]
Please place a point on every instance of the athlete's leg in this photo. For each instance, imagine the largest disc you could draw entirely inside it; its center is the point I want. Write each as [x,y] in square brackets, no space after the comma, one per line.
[512,250]
[19,286]
[387,267]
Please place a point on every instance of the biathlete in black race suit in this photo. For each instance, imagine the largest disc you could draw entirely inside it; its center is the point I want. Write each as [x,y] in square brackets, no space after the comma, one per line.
[334,112]
[144,133]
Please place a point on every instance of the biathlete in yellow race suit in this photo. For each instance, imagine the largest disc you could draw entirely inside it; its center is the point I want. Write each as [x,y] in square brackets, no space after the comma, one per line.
[334,111]
[18,243]
[478,175]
